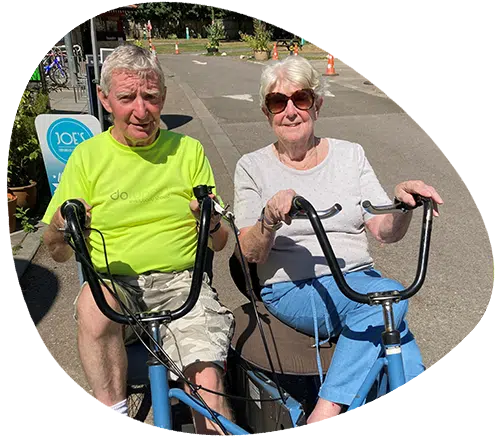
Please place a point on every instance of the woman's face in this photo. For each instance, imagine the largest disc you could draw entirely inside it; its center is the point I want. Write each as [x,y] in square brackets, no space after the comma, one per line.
[293,125]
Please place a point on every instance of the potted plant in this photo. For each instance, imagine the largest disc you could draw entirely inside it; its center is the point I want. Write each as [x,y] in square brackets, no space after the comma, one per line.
[25,155]
[12,204]
[260,41]
[215,33]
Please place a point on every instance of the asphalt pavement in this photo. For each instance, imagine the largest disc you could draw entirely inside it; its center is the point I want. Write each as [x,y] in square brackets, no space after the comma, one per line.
[215,99]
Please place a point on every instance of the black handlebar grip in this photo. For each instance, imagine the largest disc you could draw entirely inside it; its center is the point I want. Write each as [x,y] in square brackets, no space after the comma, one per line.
[405,207]
[78,207]
[295,209]
[202,191]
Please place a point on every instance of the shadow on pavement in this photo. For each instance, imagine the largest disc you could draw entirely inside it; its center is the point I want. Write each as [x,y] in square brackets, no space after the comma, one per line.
[174,121]
[39,287]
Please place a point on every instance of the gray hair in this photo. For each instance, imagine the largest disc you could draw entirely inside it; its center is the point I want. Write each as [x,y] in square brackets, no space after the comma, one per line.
[294,70]
[130,57]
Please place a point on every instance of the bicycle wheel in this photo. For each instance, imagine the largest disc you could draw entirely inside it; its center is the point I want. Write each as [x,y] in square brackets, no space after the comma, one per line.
[59,75]
[139,401]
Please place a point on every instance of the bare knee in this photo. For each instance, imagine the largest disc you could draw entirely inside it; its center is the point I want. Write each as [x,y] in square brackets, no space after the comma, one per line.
[91,320]
[206,374]
[211,378]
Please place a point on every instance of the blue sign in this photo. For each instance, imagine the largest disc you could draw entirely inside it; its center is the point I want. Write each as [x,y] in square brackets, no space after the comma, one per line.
[59,135]
[64,135]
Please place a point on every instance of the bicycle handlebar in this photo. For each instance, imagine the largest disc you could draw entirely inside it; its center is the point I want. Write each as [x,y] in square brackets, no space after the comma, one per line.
[297,212]
[301,203]
[73,211]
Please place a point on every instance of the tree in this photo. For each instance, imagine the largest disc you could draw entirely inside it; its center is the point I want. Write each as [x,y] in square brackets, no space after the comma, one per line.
[171,18]
[168,18]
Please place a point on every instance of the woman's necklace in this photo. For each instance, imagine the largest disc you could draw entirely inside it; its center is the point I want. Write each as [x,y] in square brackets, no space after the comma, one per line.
[310,161]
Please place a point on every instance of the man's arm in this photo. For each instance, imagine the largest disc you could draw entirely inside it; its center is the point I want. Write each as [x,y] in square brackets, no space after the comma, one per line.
[219,238]
[53,238]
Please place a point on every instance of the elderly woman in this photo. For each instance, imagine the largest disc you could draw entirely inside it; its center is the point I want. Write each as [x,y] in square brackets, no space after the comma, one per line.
[298,287]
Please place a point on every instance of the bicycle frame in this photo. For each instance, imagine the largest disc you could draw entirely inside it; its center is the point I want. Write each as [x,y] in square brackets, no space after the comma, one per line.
[161,393]
[391,357]
[74,214]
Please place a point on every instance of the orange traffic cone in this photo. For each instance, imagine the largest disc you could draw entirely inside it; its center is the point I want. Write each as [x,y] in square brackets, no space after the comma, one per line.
[153,49]
[296,49]
[330,67]
[275,52]
[177,48]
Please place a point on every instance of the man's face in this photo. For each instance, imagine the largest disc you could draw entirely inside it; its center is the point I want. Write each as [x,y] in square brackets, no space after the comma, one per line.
[136,103]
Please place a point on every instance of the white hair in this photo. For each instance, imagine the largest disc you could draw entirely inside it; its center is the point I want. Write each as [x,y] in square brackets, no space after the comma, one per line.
[294,70]
[132,58]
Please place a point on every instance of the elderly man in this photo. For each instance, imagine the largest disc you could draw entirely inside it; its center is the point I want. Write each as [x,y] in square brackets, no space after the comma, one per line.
[136,182]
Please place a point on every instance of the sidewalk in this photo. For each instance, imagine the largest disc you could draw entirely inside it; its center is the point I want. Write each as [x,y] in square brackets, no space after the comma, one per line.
[69,101]
[25,245]
[476,356]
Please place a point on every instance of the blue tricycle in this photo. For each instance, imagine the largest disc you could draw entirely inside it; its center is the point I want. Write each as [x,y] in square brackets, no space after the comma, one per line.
[273,379]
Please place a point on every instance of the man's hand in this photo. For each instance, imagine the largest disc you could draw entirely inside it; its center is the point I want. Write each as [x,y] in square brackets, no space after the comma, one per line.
[215,219]
[403,192]
[53,236]
[58,221]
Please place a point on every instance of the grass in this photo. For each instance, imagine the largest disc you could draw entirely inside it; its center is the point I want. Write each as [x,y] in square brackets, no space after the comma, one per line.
[231,48]
[16,249]
[194,45]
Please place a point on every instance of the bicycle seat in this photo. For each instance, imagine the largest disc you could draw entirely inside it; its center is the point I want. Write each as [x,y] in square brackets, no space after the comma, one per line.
[291,352]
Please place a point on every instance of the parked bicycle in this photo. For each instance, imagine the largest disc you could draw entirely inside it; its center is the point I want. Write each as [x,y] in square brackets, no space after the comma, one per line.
[54,68]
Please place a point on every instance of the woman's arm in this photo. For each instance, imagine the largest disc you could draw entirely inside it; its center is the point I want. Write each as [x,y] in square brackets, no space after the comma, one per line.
[257,240]
[389,228]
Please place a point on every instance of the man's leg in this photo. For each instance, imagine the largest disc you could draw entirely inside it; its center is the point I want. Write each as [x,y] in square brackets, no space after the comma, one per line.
[101,349]
[197,342]
[211,377]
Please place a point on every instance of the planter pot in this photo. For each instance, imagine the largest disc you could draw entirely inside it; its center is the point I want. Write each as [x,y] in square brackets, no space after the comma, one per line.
[12,201]
[261,55]
[26,195]
[212,50]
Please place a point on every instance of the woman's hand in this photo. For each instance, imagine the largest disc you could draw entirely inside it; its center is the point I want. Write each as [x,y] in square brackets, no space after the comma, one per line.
[215,218]
[278,207]
[403,192]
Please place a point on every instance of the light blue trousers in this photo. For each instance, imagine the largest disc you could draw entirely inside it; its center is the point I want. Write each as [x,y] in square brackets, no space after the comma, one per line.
[318,308]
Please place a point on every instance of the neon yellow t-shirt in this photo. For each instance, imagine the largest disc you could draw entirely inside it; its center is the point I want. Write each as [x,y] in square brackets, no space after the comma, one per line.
[140,198]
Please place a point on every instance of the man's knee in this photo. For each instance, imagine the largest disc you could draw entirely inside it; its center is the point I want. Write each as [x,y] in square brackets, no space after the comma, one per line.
[207,374]
[90,318]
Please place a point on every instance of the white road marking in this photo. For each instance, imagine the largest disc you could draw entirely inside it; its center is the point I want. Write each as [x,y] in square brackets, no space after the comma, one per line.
[240,97]
[330,94]
[199,62]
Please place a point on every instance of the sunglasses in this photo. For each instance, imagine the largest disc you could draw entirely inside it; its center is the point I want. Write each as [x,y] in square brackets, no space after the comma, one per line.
[277,102]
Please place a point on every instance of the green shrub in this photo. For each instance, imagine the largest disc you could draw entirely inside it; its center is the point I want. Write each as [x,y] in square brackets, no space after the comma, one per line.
[261,38]
[25,155]
[215,33]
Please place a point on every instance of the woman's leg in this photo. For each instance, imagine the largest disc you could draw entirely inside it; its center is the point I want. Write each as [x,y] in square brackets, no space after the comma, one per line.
[360,327]
[359,344]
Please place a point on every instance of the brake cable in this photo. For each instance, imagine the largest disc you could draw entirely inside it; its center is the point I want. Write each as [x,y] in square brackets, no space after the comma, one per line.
[167,362]
[229,217]
[76,227]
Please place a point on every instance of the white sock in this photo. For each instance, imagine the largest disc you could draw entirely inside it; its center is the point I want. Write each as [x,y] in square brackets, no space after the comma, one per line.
[121,407]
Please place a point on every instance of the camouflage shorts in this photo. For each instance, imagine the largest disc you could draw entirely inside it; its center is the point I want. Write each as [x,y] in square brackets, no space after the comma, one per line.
[203,335]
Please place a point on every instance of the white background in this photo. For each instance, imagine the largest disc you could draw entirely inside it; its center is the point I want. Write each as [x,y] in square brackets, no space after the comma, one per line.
[36,401]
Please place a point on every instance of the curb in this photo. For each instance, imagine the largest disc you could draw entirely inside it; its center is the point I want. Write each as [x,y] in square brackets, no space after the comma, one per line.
[28,246]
